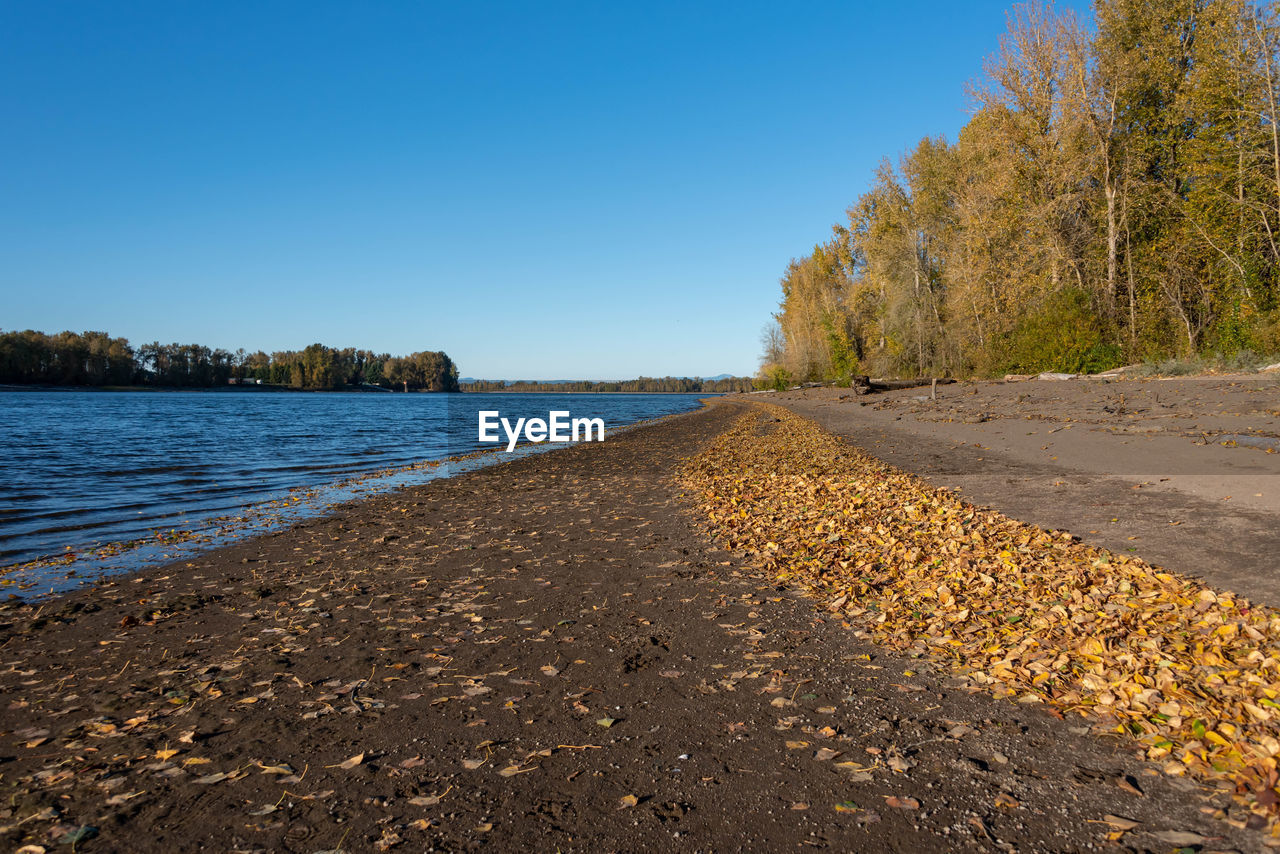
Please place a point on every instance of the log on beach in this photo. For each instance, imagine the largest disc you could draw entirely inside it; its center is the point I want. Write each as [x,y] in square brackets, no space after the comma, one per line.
[864,384]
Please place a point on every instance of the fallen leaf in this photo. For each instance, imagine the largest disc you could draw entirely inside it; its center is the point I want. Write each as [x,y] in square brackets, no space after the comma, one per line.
[512,770]
[1130,785]
[210,779]
[277,769]
[1120,822]
[388,840]
[83,833]
[1180,837]
[348,764]
[899,764]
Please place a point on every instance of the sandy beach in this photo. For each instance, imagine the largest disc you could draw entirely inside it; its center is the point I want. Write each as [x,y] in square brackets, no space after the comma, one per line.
[1174,470]
[552,654]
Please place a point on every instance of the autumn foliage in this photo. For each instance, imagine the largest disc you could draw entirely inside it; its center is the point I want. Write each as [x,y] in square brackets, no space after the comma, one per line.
[1192,674]
[1114,198]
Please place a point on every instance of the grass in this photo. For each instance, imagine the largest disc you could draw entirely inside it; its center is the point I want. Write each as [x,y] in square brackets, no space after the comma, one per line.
[1242,362]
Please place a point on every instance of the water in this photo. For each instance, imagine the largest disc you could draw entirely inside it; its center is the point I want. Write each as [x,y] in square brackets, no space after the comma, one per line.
[80,469]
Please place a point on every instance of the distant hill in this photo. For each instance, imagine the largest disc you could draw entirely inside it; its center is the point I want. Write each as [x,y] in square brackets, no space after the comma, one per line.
[722,384]
[464,380]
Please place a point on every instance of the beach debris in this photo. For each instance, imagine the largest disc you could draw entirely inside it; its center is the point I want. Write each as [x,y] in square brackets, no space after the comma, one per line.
[282,769]
[512,770]
[1180,838]
[349,763]
[83,833]
[1120,822]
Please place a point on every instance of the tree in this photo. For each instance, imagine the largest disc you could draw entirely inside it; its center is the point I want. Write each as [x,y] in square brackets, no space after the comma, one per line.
[1114,196]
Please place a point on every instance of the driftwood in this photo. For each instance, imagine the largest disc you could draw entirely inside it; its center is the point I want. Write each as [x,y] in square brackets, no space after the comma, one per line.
[864,384]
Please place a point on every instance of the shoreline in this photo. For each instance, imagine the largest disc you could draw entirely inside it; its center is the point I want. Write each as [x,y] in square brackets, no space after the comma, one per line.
[258,389]
[221,389]
[92,563]
[545,653]
[71,565]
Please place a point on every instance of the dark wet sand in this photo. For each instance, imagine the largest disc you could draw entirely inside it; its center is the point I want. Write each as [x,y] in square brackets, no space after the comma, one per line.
[434,669]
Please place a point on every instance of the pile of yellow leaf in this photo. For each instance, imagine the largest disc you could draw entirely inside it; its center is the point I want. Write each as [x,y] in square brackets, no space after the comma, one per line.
[1191,672]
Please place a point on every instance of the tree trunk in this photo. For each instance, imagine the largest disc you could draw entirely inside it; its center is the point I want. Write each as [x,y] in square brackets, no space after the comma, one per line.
[1264,47]
[1113,241]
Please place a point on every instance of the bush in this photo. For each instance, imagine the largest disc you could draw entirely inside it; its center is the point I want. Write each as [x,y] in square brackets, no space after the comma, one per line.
[1065,334]
[1242,362]
[775,377]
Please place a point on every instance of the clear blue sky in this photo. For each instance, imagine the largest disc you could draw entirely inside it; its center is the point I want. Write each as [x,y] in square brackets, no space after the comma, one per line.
[543,190]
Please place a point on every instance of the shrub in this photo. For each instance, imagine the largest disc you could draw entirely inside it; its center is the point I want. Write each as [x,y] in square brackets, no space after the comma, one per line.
[1064,334]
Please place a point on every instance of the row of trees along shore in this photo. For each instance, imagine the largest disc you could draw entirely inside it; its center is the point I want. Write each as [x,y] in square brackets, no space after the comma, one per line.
[1114,198]
[641,384]
[97,359]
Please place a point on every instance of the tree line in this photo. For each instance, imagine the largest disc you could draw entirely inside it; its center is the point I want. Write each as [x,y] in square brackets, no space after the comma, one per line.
[97,359]
[1114,198]
[640,384]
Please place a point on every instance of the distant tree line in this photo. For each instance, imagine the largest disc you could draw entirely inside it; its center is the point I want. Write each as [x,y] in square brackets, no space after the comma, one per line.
[641,384]
[1114,198]
[97,359]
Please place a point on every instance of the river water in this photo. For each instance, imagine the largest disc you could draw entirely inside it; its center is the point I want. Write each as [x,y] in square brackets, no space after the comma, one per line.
[80,469]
